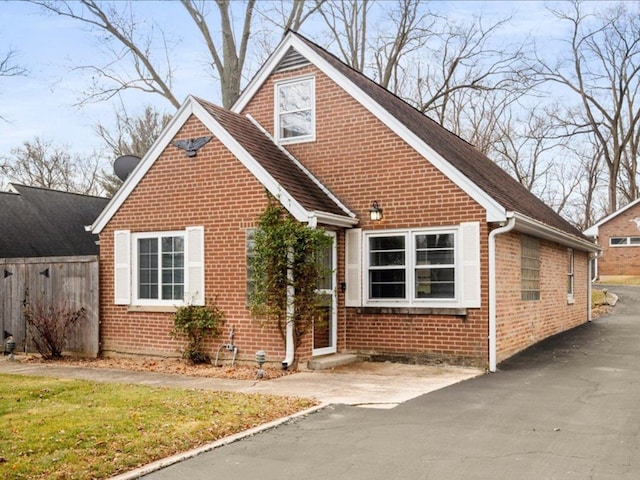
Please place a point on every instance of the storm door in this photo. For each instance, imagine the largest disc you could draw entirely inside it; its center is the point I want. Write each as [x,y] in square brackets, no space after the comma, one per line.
[324,324]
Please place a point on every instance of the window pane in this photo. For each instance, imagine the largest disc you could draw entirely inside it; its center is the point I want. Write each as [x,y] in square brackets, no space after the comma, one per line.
[296,124]
[295,96]
[634,240]
[435,283]
[148,268]
[618,241]
[325,260]
[435,249]
[387,283]
[386,251]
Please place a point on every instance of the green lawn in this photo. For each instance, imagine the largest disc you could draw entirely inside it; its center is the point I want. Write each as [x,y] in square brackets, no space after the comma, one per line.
[69,429]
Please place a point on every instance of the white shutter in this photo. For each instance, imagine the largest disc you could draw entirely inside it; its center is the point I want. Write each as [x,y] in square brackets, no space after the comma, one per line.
[470,255]
[353,267]
[122,267]
[194,264]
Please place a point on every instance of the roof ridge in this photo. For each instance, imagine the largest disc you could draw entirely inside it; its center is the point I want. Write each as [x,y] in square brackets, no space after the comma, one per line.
[51,190]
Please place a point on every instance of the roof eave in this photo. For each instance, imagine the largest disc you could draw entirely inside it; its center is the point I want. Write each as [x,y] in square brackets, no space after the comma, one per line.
[332,219]
[538,229]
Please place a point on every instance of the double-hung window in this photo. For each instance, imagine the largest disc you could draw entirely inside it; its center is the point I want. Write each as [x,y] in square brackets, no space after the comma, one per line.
[412,267]
[160,267]
[295,110]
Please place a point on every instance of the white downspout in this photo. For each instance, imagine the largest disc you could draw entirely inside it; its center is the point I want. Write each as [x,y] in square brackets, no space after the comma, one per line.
[492,290]
[289,350]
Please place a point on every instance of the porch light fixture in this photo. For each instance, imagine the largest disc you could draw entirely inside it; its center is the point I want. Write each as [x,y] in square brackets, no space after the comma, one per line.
[375,212]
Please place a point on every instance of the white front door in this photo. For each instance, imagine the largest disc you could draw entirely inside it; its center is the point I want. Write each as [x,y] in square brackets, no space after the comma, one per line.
[325,324]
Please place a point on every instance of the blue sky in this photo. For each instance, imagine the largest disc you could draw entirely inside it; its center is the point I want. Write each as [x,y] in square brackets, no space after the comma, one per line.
[41,104]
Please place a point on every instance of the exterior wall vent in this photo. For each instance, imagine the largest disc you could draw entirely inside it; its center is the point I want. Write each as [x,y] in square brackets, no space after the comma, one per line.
[292,59]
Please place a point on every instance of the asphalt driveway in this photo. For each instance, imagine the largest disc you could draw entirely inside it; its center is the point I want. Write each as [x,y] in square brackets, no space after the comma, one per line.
[568,408]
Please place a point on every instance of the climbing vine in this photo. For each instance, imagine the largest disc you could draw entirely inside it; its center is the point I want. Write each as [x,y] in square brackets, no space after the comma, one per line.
[285,259]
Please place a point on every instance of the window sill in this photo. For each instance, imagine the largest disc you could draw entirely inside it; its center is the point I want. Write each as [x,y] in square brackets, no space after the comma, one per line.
[457,312]
[152,308]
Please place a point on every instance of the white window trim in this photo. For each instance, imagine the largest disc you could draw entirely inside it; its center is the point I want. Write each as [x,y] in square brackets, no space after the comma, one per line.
[410,265]
[626,244]
[571,280]
[276,110]
[134,269]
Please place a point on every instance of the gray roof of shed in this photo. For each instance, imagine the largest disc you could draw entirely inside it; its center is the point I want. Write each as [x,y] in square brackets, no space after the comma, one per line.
[37,222]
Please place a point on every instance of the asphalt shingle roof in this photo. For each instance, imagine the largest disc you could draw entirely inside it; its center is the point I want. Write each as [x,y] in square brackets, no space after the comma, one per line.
[279,165]
[37,222]
[469,161]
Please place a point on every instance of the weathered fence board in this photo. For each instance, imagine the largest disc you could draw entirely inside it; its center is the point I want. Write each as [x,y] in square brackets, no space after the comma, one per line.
[70,280]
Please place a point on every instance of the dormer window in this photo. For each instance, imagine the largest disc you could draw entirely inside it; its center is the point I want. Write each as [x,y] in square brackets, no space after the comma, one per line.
[295,110]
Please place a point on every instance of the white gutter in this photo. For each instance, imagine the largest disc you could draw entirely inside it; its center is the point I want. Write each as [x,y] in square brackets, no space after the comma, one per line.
[511,223]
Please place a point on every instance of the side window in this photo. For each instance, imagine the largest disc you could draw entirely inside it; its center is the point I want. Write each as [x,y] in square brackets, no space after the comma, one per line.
[570,278]
[295,111]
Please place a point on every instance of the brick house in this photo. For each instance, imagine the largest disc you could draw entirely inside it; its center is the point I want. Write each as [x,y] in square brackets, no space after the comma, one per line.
[464,264]
[618,235]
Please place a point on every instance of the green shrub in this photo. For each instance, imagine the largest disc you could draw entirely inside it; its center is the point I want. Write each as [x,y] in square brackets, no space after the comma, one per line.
[197,323]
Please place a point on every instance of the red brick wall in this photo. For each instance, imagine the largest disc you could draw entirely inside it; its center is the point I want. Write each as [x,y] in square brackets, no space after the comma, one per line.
[212,189]
[522,323]
[361,160]
[620,260]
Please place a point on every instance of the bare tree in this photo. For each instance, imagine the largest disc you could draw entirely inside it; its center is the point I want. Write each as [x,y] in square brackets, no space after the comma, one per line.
[124,40]
[601,69]
[39,163]
[140,58]
[347,24]
[409,29]
[463,59]
[130,136]
[229,62]
[8,68]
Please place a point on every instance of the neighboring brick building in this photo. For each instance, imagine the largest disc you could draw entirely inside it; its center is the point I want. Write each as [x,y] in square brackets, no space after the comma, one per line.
[619,237]
[465,264]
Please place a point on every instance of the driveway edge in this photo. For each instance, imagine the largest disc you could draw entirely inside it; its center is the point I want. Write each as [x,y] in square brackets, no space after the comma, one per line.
[179,457]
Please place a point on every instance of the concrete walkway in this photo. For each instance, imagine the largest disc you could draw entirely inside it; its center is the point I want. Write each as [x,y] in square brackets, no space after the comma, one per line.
[375,385]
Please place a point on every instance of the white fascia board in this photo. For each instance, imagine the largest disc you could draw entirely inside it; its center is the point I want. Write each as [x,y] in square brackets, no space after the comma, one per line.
[538,229]
[257,170]
[494,211]
[593,230]
[264,72]
[169,132]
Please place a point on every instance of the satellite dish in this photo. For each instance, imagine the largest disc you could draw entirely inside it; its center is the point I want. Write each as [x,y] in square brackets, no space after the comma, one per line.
[124,165]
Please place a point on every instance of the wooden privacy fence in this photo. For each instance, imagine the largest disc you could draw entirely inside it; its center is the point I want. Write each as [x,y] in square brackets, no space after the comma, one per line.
[60,280]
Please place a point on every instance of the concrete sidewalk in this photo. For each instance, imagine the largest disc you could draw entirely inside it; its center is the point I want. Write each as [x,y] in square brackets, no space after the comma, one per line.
[375,385]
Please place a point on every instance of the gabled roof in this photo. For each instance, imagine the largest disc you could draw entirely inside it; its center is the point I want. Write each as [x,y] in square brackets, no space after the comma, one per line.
[494,189]
[37,222]
[280,173]
[593,230]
